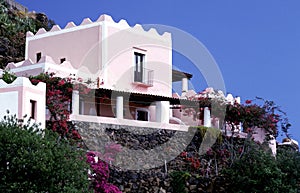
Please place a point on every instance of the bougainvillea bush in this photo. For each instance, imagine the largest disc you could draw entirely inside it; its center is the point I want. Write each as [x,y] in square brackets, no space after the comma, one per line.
[253,113]
[58,99]
[99,173]
[262,114]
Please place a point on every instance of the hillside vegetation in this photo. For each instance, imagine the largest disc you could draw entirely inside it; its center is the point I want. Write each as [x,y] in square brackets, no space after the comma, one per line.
[43,164]
[14,24]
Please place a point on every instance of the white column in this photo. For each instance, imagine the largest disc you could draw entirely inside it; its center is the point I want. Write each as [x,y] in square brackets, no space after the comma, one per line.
[119,107]
[272,145]
[170,112]
[75,102]
[162,111]
[207,120]
[185,84]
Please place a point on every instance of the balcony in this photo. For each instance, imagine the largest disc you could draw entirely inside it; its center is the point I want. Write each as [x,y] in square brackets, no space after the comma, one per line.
[143,77]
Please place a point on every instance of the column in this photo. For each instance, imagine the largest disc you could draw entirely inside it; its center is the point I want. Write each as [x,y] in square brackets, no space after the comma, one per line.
[185,84]
[207,120]
[119,107]
[162,111]
[272,145]
[75,102]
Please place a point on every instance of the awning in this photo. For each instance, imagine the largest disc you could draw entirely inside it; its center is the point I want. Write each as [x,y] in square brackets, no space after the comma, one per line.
[147,99]
[178,75]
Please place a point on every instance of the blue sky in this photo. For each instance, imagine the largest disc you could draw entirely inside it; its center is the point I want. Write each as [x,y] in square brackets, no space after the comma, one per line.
[255,43]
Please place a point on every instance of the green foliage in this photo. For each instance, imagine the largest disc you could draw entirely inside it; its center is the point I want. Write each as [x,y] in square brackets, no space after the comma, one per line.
[236,164]
[179,180]
[259,171]
[32,160]
[8,77]
[13,27]
[288,160]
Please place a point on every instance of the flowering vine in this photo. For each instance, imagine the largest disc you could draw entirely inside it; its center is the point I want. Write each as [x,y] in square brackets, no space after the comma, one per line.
[100,169]
[254,113]
[58,101]
[266,115]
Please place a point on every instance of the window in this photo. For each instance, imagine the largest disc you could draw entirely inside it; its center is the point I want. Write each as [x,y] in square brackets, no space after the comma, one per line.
[142,115]
[38,56]
[139,66]
[33,109]
[62,60]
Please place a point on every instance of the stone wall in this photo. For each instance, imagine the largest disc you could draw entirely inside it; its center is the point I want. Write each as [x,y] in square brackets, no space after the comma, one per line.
[148,155]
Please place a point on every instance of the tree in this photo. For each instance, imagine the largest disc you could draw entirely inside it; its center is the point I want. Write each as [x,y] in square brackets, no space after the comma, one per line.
[260,171]
[32,160]
[288,160]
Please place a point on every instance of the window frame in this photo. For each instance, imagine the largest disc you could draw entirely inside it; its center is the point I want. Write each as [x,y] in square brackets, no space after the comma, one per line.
[38,56]
[144,110]
[33,109]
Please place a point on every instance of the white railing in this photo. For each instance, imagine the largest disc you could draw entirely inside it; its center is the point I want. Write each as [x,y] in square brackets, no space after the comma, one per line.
[144,76]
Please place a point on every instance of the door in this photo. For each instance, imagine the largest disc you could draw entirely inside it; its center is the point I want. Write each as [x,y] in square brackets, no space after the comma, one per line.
[139,65]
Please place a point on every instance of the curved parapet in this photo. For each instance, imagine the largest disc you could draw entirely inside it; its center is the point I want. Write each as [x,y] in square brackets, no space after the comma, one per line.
[46,64]
[10,65]
[55,28]
[41,31]
[138,27]
[70,25]
[22,81]
[105,17]
[230,98]
[29,34]
[153,31]
[86,21]
[123,24]
[238,100]
[46,59]
[13,65]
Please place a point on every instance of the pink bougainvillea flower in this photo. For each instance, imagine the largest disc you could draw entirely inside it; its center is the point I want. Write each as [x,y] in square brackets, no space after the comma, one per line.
[183,154]
[248,101]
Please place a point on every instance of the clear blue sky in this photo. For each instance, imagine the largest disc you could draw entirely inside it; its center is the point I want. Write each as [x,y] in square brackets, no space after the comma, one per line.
[255,43]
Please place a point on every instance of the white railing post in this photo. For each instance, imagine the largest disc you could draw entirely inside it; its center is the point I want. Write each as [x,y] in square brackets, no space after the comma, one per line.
[119,107]
[207,119]
[75,102]
[162,111]
[185,84]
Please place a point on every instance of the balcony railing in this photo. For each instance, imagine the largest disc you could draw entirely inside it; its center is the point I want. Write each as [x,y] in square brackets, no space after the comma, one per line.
[143,77]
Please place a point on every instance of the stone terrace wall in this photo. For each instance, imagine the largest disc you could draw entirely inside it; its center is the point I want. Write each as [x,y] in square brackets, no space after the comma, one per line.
[141,172]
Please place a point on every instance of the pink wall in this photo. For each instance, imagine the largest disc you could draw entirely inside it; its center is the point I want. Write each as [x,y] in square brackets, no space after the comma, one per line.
[21,91]
[111,45]
[158,57]
[72,45]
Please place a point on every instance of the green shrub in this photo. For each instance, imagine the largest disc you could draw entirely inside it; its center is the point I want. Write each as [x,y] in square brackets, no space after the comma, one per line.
[32,160]
[179,180]
[259,171]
